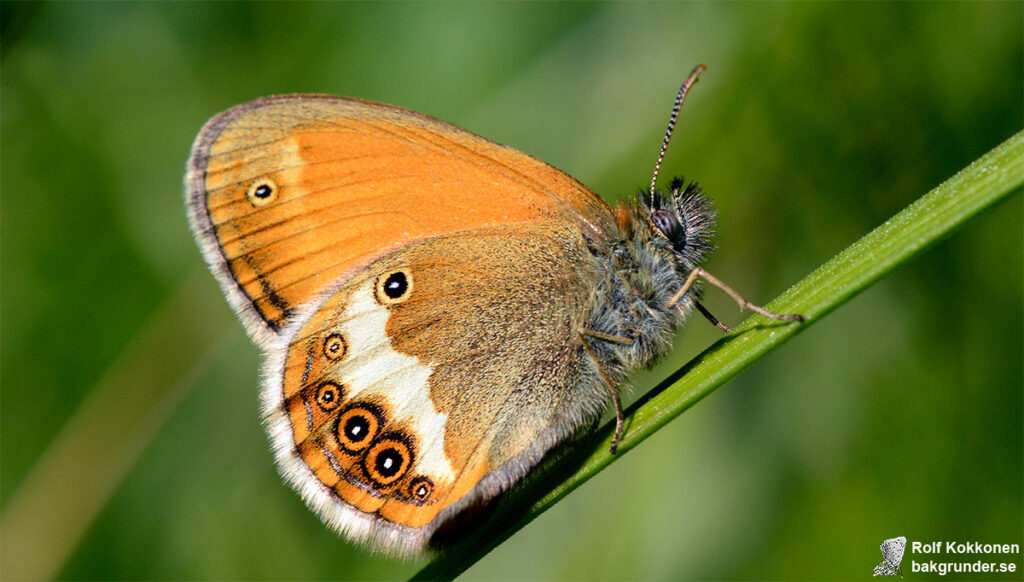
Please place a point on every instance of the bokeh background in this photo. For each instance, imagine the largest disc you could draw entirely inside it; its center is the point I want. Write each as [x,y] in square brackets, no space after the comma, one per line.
[131,443]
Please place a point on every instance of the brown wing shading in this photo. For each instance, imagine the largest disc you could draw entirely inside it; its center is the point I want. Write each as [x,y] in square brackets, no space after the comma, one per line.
[433,379]
[288,193]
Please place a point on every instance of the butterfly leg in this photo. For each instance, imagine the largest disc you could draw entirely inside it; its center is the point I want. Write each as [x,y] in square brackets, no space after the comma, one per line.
[714,320]
[743,303]
[620,417]
[607,337]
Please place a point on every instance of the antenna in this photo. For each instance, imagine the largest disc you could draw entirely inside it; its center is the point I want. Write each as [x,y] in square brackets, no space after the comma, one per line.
[683,90]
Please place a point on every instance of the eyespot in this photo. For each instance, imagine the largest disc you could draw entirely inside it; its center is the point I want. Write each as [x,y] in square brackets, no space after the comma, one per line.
[394,287]
[357,427]
[388,459]
[335,347]
[262,192]
[668,224]
[328,396]
[421,488]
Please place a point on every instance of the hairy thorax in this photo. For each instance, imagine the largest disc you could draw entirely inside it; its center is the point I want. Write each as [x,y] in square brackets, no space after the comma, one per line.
[638,275]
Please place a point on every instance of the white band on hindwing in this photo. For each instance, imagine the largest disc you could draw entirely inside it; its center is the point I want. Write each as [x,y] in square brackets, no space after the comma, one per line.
[373,367]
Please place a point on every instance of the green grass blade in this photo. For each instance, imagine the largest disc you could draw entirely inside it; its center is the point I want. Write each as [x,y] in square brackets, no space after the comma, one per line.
[990,179]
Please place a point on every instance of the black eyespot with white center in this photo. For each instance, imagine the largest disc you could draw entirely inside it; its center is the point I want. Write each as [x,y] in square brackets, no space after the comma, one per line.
[420,489]
[388,461]
[328,396]
[334,347]
[357,427]
[262,192]
[389,458]
[394,287]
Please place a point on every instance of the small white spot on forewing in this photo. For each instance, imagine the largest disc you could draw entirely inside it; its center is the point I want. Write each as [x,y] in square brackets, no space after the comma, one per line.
[373,367]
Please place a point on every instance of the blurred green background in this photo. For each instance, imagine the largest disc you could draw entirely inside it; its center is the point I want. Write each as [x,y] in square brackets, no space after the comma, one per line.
[131,442]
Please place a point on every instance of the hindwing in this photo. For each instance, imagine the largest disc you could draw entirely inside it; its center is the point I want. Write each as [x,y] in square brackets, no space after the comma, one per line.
[433,378]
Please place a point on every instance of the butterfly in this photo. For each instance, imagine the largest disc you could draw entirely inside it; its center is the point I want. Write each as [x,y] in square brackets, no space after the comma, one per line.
[437,311]
[892,552]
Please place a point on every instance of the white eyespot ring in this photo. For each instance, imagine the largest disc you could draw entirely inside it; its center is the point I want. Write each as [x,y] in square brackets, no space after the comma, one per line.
[262,192]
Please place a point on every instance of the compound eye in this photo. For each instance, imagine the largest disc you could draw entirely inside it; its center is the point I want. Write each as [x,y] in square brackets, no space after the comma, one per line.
[666,222]
[669,225]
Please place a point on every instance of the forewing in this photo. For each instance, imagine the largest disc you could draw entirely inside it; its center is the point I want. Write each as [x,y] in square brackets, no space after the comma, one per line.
[286,194]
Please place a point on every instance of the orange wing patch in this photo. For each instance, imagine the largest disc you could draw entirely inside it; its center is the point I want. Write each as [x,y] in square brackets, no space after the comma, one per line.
[289,193]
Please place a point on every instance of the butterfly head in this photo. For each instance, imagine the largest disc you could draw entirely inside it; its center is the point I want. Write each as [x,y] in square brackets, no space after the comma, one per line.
[685,218]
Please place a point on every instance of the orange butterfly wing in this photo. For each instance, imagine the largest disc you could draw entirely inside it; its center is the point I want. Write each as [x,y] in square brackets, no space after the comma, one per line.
[287,194]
